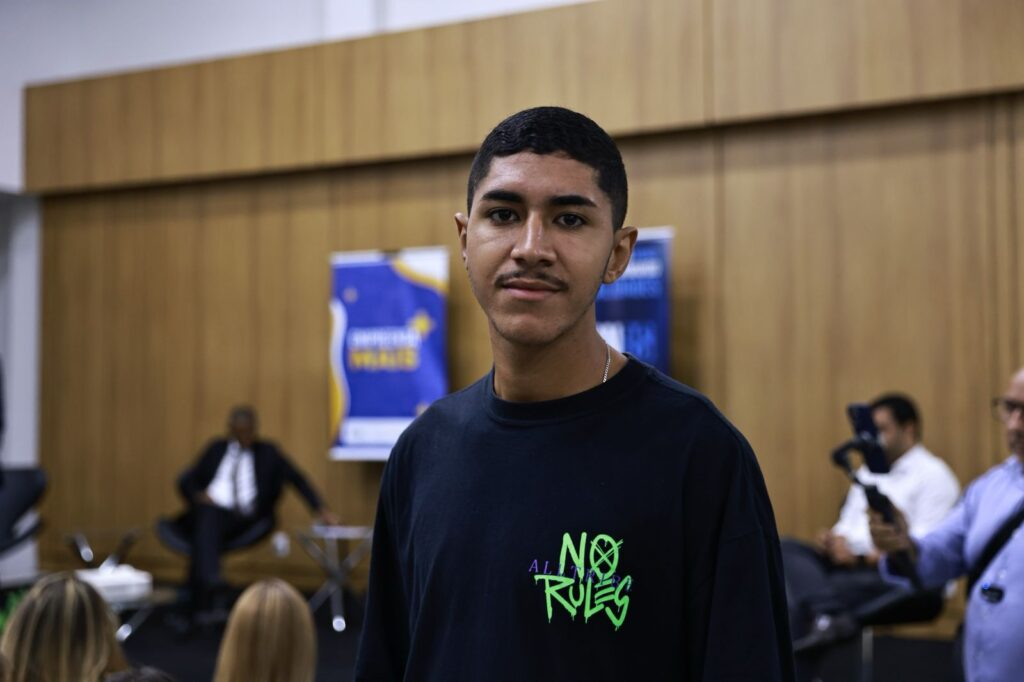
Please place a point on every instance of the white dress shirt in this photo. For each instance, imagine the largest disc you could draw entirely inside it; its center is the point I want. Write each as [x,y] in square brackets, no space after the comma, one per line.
[920,484]
[236,463]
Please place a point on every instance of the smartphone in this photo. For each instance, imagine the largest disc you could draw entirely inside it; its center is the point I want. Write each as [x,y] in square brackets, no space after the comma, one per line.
[866,433]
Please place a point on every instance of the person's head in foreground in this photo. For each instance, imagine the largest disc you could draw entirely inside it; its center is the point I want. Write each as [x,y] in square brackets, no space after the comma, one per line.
[269,637]
[62,631]
[546,202]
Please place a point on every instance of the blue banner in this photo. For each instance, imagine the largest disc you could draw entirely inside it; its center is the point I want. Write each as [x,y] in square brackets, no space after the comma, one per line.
[388,345]
[633,313]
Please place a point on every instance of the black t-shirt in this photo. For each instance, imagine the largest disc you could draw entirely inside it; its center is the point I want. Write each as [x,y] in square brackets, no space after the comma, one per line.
[623,533]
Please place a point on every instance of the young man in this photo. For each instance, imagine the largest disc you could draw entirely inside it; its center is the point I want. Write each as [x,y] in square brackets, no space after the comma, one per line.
[574,515]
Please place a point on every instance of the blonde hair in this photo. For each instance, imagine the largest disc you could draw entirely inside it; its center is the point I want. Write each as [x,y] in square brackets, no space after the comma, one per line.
[269,637]
[62,631]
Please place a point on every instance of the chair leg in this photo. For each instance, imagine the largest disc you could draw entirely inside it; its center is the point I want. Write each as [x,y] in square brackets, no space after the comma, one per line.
[867,654]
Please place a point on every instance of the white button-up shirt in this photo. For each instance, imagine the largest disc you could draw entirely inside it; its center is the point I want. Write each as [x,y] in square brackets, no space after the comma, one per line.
[236,462]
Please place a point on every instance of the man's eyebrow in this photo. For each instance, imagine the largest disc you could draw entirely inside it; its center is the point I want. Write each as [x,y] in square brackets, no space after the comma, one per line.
[511,197]
[503,195]
[571,200]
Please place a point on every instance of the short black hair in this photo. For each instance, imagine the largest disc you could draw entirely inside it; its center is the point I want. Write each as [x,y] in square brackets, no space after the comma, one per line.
[243,413]
[902,407]
[547,130]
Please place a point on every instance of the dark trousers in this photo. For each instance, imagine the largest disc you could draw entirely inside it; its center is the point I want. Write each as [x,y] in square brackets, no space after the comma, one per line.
[211,527]
[815,586]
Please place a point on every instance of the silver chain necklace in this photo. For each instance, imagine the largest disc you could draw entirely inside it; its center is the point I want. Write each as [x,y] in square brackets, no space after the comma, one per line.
[607,362]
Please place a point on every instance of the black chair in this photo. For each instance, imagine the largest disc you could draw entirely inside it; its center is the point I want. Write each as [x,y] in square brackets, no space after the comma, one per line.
[894,608]
[21,490]
[902,608]
[175,533]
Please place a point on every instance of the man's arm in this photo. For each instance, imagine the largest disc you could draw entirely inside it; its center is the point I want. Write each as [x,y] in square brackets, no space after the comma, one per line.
[192,483]
[742,598]
[938,556]
[292,475]
[384,644]
[852,528]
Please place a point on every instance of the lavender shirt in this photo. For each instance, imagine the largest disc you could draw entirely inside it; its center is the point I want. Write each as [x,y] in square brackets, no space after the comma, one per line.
[993,633]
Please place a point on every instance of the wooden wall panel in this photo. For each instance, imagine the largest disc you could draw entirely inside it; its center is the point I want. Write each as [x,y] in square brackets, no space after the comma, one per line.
[770,58]
[857,260]
[817,261]
[634,66]
[1004,245]
[1015,191]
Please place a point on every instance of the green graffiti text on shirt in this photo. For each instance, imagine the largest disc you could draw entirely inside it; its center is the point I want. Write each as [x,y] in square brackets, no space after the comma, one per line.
[591,589]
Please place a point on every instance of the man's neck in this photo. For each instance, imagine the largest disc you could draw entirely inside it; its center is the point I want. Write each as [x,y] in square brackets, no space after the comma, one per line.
[900,456]
[568,366]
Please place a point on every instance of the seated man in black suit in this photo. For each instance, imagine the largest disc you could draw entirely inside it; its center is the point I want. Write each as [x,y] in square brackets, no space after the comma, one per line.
[235,484]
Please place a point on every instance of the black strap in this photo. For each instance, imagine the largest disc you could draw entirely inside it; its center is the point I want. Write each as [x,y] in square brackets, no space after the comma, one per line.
[994,545]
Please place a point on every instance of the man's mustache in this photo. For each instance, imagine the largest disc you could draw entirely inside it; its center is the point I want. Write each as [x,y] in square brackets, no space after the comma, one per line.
[550,280]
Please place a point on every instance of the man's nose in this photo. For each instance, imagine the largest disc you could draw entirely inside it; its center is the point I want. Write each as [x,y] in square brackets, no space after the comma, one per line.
[533,244]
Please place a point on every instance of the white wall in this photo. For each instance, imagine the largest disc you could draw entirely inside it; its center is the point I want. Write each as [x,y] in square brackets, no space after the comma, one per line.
[19,348]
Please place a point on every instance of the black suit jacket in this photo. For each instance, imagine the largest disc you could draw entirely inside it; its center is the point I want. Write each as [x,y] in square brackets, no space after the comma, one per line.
[272,470]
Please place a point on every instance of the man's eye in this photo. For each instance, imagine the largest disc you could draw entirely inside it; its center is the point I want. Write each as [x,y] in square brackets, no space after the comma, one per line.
[571,220]
[501,215]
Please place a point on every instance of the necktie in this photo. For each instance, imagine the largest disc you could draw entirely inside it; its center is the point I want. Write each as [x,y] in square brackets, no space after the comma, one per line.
[235,488]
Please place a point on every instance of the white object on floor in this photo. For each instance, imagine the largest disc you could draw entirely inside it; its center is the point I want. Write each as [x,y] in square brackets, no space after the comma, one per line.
[119,584]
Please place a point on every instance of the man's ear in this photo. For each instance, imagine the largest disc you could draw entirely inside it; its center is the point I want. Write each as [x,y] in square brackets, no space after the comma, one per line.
[462,226]
[622,250]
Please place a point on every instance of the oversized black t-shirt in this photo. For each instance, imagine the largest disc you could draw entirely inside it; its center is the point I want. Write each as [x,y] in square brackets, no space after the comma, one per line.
[623,533]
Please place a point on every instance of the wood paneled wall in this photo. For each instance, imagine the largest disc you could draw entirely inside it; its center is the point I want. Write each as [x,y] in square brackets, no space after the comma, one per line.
[864,253]
[632,65]
[635,65]
[819,259]
[772,58]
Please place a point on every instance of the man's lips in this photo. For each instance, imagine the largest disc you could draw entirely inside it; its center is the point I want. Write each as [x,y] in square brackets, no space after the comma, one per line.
[530,289]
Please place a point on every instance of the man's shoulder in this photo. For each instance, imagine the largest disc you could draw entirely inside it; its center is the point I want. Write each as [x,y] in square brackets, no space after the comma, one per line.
[216,445]
[997,475]
[268,448]
[685,408]
[924,463]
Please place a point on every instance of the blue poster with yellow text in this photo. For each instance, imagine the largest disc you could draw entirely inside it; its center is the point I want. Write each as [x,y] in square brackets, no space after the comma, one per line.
[388,345]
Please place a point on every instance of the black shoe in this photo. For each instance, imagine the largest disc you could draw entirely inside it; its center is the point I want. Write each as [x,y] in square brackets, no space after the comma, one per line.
[828,630]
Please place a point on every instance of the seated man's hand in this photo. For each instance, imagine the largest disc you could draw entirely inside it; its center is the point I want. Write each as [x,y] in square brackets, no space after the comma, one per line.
[202,498]
[839,552]
[823,542]
[890,537]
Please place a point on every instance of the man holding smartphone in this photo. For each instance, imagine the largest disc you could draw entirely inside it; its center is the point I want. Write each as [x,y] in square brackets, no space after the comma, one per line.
[981,539]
